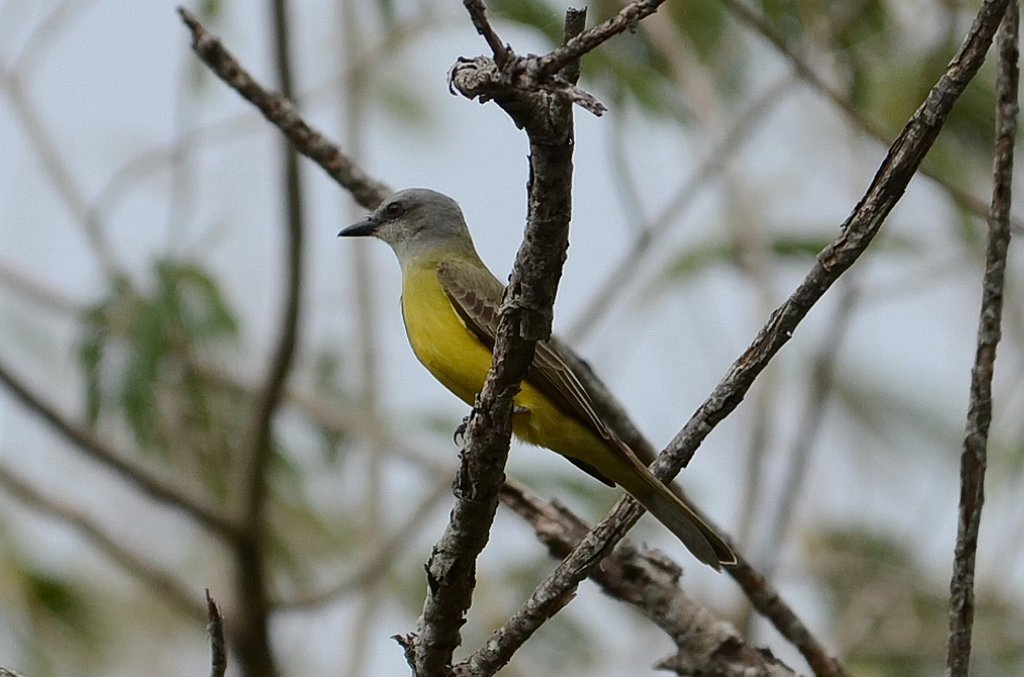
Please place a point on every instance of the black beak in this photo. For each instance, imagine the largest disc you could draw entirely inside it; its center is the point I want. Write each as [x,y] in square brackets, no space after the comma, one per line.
[367,226]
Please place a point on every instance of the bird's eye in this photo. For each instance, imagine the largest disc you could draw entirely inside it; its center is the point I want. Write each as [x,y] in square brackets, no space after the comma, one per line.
[393,210]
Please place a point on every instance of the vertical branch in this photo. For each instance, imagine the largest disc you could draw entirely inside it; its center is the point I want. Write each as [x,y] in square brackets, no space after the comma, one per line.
[525,317]
[215,628]
[352,103]
[255,653]
[973,459]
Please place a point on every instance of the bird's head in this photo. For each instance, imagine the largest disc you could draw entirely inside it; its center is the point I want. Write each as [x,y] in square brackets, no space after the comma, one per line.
[415,222]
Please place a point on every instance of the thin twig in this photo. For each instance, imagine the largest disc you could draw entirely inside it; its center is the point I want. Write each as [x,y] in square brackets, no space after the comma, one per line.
[59,172]
[42,297]
[253,635]
[514,80]
[822,375]
[45,34]
[648,581]
[378,563]
[626,19]
[973,460]
[717,159]
[478,15]
[215,628]
[856,233]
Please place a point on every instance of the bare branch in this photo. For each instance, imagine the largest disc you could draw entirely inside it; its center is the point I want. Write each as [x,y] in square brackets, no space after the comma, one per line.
[478,14]
[806,72]
[498,78]
[627,19]
[378,563]
[648,581]
[253,633]
[525,317]
[973,459]
[215,628]
[741,130]
[281,112]
[822,375]
[898,168]
[856,233]
[41,296]
[59,173]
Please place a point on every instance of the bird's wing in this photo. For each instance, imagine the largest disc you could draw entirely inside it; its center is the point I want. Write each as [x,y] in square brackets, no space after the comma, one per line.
[477,304]
[476,296]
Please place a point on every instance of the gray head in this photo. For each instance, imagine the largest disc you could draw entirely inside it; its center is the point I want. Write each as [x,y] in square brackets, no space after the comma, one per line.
[416,221]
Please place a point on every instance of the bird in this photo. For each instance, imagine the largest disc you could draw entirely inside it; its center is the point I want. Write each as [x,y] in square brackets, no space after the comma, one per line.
[450,302]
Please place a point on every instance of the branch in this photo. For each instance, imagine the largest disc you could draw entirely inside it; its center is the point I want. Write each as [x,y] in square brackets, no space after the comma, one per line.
[253,634]
[487,79]
[378,563]
[367,191]
[973,459]
[478,15]
[648,581]
[713,164]
[59,173]
[158,581]
[856,233]
[215,628]
[627,19]
[821,387]
[525,317]
[806,72]
[86,442]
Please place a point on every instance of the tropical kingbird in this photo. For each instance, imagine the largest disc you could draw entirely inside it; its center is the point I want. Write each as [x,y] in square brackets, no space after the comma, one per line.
[450,306]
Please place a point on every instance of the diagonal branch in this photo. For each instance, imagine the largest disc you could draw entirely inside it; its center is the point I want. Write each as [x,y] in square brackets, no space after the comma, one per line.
[888,186]
[803,69]
[86,442]
[478,15]
[160,582]
[282,113]
[856,233]
[973,460]
[627,18]
[368,192]
[648,581]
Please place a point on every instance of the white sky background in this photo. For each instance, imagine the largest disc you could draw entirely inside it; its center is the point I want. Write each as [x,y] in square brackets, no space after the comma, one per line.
[108,88]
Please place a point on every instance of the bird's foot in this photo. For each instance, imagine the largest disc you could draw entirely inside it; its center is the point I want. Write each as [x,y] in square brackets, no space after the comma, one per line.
[460,431]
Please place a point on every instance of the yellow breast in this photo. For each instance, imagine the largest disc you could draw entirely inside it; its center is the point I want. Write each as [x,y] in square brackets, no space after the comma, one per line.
[455,356]
[439,337]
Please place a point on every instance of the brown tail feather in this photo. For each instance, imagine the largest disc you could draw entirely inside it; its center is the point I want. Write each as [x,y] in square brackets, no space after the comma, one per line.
[681,520]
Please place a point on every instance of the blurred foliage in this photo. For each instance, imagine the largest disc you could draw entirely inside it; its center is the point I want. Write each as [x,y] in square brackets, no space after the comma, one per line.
[55,612]
[883,66]
[140,352]
[780,248]
[891,619]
